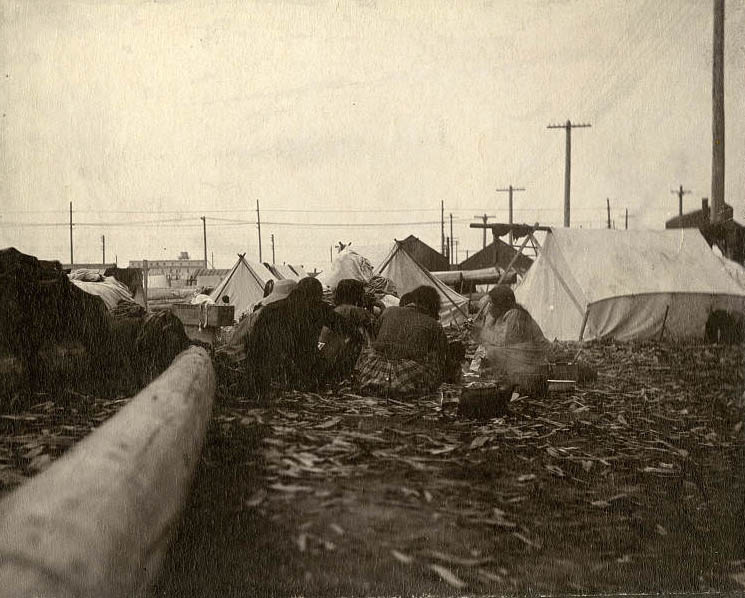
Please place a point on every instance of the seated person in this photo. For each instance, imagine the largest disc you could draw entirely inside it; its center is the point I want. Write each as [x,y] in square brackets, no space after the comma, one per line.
[339,352]
[380,292]
[235,348]
[283,342]
[511,342]
[409,354]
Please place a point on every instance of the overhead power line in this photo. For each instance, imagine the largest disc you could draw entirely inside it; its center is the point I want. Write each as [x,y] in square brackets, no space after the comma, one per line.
[222,222]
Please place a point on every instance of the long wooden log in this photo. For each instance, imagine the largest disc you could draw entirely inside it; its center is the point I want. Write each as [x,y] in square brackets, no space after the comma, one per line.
[98,521]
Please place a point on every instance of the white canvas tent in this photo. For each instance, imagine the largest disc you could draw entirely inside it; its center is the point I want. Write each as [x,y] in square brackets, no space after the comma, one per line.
[626,284]
[244,285]
[408,274]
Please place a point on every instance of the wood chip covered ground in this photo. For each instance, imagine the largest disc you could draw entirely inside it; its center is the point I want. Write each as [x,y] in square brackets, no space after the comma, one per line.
[632,483]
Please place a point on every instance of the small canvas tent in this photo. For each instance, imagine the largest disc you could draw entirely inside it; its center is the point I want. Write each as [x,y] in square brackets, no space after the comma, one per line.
[408,274]
[347,264]
[299,270]
[626,284]
[243,285]
[286,272]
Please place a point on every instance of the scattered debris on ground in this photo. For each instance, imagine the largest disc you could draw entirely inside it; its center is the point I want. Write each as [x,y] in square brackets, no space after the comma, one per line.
[631,483]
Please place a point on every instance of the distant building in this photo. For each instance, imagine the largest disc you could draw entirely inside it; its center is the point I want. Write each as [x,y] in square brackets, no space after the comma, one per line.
[728,234]
[181,269]
[497,253]
[429,258]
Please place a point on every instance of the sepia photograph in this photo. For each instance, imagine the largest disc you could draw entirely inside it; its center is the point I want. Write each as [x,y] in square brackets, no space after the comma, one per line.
[325,298]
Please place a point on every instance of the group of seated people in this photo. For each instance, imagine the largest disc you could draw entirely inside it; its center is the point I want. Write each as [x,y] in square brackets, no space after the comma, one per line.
[295,339]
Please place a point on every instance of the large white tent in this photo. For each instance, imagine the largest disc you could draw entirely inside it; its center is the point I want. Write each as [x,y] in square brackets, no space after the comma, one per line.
[626,284]
[408,274]
[243,285]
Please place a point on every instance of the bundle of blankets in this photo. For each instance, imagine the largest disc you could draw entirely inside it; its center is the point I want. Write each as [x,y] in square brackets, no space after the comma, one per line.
[41,308]
[111,291]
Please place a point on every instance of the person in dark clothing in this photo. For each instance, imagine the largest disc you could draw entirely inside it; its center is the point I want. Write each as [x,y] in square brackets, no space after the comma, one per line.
[339,352]
[284,340]
[409,354]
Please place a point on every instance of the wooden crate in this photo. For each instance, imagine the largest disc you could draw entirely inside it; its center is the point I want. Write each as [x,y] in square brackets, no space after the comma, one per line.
[209,316]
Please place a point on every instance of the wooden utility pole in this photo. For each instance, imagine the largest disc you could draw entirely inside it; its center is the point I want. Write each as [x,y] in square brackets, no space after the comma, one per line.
[717,121]
[484,218]
[626,226]
[331,254]
[442,227]
[72,262]
[509,190]
[607,202]
[103,249]
[568,164]
[450,249]
[204,231]
[145,276]
[258,226]
[680,193]
[273,248]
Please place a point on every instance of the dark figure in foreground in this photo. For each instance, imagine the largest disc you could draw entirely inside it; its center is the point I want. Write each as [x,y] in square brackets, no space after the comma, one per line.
[410,354]
[284,340]
[41,310]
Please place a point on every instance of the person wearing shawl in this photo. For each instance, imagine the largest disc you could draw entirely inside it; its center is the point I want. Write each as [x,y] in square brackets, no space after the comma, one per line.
[235,349]
[339,352]
[283,343]
[512,343]
[409,354]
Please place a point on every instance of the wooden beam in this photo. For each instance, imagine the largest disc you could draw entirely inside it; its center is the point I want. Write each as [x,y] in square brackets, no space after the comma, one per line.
[514,257]
[97,522]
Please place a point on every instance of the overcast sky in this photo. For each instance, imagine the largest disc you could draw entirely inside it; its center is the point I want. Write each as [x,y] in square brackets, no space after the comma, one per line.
[148,115]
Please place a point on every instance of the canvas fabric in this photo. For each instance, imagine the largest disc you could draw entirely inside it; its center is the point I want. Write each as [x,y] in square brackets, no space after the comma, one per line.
[244,286]
[347,265]
[108,288]
[286,272]
[407,275]
[627,283]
